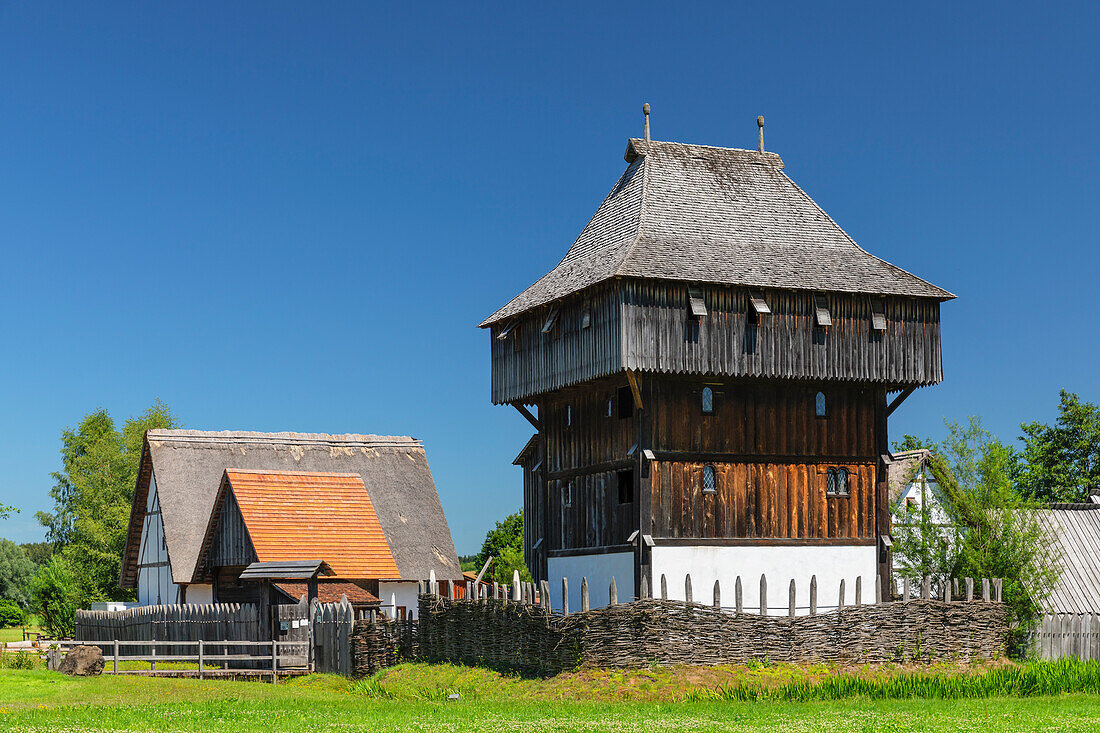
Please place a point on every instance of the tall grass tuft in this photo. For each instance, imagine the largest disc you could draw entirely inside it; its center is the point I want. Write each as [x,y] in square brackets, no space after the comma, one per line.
[1034,678]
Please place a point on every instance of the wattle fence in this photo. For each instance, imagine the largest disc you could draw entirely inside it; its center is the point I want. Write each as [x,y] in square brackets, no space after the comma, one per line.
[518,634]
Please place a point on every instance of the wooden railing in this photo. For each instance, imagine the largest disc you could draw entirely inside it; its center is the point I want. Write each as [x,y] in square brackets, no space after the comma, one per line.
[276,653]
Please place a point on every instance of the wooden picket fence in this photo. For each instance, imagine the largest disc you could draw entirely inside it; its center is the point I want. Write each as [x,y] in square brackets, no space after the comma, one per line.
[1068,635]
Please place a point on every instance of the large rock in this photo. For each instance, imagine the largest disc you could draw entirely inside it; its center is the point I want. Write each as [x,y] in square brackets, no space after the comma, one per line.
[83,661]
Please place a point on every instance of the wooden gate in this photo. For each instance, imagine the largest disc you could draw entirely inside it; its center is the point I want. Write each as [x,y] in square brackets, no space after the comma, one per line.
[290,623]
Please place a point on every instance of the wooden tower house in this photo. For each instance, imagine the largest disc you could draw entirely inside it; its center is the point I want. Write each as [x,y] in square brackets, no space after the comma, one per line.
[712,365]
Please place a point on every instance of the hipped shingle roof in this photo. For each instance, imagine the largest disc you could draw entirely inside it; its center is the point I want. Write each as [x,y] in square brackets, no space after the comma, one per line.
[714,215]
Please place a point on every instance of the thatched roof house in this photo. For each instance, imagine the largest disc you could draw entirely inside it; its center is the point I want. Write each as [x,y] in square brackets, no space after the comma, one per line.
[182,471]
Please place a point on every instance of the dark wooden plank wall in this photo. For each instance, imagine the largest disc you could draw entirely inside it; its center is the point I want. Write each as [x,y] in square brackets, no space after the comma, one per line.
[568,354]
[762,418]
[593,438]
[657,336]
[595,518]
[644,325]
[762,500]
[231,543]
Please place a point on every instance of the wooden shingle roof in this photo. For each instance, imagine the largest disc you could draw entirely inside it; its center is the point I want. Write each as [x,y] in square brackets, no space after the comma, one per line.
[715,215]
[291,515]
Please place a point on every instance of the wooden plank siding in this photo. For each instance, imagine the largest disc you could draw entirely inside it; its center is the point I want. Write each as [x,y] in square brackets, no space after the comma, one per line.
[644,325]
[761,501]
[232,544]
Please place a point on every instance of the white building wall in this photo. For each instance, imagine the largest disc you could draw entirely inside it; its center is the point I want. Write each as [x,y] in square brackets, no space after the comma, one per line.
[830,563]
[394,595]
[154,584]
[599,569]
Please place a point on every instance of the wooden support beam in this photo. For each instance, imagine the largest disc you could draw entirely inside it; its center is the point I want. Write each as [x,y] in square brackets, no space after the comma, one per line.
[896,403]
[527,414]
[633,380]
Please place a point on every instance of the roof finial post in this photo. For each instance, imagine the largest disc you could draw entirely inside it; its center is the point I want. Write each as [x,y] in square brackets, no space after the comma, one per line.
[760,124]
[645,113]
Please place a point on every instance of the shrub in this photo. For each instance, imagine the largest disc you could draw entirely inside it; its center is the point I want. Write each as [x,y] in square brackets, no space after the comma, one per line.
[54,596]
[11,614]
[18,660]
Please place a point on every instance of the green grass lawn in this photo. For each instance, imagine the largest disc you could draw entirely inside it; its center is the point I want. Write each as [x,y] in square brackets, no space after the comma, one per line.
[15,633]
[414,697]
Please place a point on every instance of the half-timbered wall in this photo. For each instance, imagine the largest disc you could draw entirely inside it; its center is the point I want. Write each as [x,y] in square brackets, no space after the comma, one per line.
[154,581]
[646,326]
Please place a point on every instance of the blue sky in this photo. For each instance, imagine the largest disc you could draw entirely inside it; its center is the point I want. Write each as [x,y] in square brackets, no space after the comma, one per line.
[292,216]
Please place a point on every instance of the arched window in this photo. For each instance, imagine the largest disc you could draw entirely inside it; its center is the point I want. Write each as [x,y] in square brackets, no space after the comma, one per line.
[830,482]
[842,481]
[819,404]
[708,401]
[710,481]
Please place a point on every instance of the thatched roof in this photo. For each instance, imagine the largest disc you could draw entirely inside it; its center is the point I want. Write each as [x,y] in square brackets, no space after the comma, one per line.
[715,215]
[901,469]
[187,466]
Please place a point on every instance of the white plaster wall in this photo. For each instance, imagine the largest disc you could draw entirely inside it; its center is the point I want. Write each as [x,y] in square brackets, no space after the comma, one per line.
[931,498]
[599,569]
[830,563]
[399,594]
[197,593]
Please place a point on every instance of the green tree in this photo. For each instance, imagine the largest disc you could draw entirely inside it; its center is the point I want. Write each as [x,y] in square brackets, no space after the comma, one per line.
[16,571]
[38,552]
[1062,462]
[504,543]
[92,496]
[55,596]
[992,530]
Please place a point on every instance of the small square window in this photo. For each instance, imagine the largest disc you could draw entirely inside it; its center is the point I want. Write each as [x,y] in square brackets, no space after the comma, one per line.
[551,319]
[878,314]
[567,494]
[586,316]
[696,305]
[626,486]
[822,317]
[759,305]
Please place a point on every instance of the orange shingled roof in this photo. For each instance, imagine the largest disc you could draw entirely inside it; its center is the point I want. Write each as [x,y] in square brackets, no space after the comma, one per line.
[292,515]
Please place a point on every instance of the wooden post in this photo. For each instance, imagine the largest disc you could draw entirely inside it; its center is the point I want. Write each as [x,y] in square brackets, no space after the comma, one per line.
[612,593]
[790,600]
[544,595]
[954,586]
[859,590]
[969,582]
[450,590]
[517,594]
[763,595]
[644,591]
[841,604]
[664,588]
[737,596]
[470,590]
[985,589]
[584,594]
[997,590]
[687,588]
[905,589]
[946,591]
[878,593]
[813,595]
[432,586]
[274,661]
[200,658]
[564,596]
[717,595]
[925,588]
[116,658]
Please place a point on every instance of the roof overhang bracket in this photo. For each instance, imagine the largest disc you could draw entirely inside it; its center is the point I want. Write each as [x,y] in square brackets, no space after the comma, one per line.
[896,403]
[634,390]
[527,414]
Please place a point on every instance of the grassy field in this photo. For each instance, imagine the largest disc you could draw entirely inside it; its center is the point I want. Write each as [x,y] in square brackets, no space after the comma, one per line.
[415,697]
[15,633]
